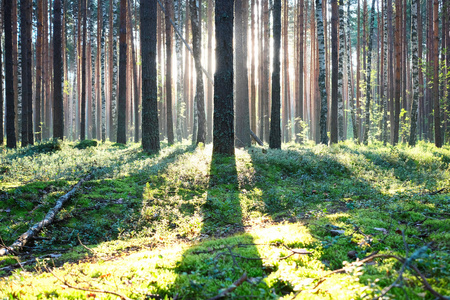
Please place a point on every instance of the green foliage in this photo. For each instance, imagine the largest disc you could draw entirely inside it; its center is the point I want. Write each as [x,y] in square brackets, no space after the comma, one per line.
[86,144]
[183,223]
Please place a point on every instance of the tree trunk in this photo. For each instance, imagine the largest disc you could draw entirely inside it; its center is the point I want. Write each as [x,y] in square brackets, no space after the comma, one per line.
[199,96]
[122,103]
[398,57]
[135,79]
[58,112]
[384,82]
[322,77]
[210,85]
[9,76]
[150,127]
[242,108]
[25,45]
[341,91]
[358,75]
[334,137]
[83,75]
[415,71]
[266,79]
[275,130]
[223,135]
[436,104]
[369,72]
[299,100]
[350,76]
[170,137]
[286,81]
[103,79]
[253,112]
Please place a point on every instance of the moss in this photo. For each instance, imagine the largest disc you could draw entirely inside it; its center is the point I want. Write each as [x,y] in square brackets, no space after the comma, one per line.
[84,144]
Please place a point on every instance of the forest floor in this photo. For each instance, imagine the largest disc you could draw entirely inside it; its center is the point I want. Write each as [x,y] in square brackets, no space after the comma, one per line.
[305,222]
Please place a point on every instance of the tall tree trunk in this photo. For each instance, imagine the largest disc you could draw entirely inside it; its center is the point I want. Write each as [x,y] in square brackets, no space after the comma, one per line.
[180,88]
[266,79]
[242,109]
[210,85]
[199,95]
[421,118]
[253,64]
[350,76]
[322,78]
[9,75]
[384,82]
[299,99]
[122,101]
[170,137]
[2,138]
[16,75]
[150,127]
[83,74]
[223,135]
[135,79]
[341,90]
[369,72]
[38,81]
[334,136]
[436,104]
[415,74]
[275,130]
[286,81]
[25,42]
[103,79]
[358,75]
[398,56]
[58,112]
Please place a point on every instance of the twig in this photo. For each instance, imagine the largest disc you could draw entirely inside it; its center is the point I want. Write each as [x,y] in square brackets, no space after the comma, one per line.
[436,192]
[231,287]
[85,247]
[85,289]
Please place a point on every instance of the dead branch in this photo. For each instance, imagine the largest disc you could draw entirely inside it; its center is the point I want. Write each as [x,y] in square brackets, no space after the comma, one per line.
[85,289]
[256,138]
[231,287]
[85,247]
[48,219]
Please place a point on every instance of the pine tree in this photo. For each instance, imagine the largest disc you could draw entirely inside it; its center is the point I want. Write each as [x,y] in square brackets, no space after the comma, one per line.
[223,131]
[334,136]
[122,100]
[275,130]
[9,75]
[58,111]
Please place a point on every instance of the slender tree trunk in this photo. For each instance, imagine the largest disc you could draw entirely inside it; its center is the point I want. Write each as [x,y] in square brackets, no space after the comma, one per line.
[398,55]
[253,112]
[358,75]
[334,136]
[2,138]
[9,75]
[150,128]
[58,111]
[369,72]
[103,79]
[300,100]
[16,75]
[242,108]
[210,85]
[223,135]
[436,104]
[25,42]
[122,103]
[170,136]
[199,95]
[350,76]
[322,78]
[384,82]
[83,75]
[415,66]
[38,81]
[275,130]
[135,79]
[286,81]
[341,91]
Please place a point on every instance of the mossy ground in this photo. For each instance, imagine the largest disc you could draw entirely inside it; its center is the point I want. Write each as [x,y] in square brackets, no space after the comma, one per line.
[183,225]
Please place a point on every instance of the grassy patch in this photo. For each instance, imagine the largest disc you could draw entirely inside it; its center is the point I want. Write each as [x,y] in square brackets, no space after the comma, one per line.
[183,224]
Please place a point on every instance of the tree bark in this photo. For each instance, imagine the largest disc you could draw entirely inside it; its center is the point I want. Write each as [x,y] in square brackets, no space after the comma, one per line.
[299,100]
[415,74]
[275,130]
[150,127]
[436,104]
[369,74]
[398,56]
[58,111]
[83,75]
[334,135]
[223,135]
[9,76]
[242,106]
[322,77]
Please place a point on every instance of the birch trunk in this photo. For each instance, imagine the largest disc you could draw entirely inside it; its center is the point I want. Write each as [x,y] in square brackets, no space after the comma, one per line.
[322,77]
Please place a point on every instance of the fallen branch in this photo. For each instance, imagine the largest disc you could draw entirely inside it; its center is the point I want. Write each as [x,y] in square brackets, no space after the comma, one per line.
[85,289]
[256,138]
[20,264]
[231,287]
[36,228]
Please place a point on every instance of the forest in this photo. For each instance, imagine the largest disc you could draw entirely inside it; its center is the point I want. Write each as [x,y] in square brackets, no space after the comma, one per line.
[225,149]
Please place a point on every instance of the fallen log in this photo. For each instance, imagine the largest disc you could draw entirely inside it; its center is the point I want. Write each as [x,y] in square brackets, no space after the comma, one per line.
[48,219]
[256,138]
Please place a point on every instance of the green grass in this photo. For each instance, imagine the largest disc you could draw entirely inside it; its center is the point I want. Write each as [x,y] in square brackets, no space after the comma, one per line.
[182,224]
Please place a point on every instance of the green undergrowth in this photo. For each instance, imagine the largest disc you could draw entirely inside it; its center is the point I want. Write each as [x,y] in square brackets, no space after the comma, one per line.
[185,225]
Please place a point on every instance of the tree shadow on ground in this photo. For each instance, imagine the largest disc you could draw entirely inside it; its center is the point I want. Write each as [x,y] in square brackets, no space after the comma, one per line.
[223,261]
